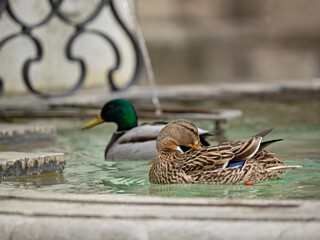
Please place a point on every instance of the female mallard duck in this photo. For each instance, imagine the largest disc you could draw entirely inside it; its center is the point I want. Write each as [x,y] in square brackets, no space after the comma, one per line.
[230,162]
[130,141]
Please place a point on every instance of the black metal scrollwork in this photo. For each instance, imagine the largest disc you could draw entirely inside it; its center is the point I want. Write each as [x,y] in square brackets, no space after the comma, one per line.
[80,28]
[3,5]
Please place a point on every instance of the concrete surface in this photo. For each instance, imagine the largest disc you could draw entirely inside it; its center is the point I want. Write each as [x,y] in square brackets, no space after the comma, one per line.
[21,164]
[18,133]
[304,89]
[38,215]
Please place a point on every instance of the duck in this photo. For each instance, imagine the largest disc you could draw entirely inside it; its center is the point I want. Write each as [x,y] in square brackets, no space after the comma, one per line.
[233,162]
[131,141]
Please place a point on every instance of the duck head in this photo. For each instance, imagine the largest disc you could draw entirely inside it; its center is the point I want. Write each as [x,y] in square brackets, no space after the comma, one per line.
[178,133]
[119,111]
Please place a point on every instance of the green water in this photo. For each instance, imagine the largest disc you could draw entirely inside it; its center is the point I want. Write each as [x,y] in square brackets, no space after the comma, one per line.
[88,172]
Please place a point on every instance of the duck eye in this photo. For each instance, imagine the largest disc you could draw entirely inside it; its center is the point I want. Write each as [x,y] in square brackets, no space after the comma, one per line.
[111,106]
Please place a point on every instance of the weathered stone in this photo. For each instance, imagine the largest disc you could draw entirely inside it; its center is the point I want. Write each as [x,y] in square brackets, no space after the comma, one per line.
[38,215]
[19,133]
[19,164]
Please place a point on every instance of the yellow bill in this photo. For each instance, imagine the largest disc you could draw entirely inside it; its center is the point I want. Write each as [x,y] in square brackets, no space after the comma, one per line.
[93,123]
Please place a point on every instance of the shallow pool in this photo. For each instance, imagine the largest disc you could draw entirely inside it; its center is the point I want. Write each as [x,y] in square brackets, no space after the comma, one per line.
[88,172]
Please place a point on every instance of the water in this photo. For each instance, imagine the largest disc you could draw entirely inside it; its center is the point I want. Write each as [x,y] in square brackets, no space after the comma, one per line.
[88,172]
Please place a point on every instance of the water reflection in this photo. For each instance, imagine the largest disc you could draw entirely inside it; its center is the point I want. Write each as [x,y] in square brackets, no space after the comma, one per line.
[206,190]
[34,181]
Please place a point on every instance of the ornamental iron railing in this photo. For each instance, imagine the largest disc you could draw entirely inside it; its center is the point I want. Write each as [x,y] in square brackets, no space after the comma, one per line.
[80,28]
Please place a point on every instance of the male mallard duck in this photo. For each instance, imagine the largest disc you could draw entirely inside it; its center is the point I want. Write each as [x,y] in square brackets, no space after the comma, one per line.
[130,141]
[229,162]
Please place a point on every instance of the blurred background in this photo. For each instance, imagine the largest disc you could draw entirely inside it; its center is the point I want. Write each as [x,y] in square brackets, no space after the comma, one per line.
[189,41]
[229,40]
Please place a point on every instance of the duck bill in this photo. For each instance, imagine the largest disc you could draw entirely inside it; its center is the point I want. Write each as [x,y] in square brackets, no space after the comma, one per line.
[198,146]
[93,123]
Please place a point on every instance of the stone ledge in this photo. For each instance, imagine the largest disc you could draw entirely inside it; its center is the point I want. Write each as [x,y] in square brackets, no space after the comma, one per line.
[20,164]
[19,133]
[38,215]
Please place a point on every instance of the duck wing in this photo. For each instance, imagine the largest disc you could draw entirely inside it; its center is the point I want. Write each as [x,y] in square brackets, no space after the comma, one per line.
[209,158]
[250,146]
[138,143]
[142,133]
[213,157]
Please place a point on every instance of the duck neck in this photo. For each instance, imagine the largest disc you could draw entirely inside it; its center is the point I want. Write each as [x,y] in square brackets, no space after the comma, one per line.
[169,154]
[127,122]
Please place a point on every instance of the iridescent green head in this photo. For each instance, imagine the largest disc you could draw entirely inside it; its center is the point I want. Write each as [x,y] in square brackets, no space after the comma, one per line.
[119,111]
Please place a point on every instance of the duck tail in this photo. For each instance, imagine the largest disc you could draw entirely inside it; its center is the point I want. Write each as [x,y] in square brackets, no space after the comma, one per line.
[277,172]
[265,144]
[283,168]
[263,133]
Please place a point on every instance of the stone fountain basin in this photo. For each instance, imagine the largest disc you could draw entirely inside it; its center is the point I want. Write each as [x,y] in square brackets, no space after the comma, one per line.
[28,214]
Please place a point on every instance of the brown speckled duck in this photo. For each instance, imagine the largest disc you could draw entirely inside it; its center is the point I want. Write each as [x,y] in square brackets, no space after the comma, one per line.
[229,162]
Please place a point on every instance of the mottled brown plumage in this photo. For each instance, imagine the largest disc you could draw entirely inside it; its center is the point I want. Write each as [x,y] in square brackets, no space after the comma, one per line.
[212,164]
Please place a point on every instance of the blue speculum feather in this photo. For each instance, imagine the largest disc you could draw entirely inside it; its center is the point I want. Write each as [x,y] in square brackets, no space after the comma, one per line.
[236,164]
